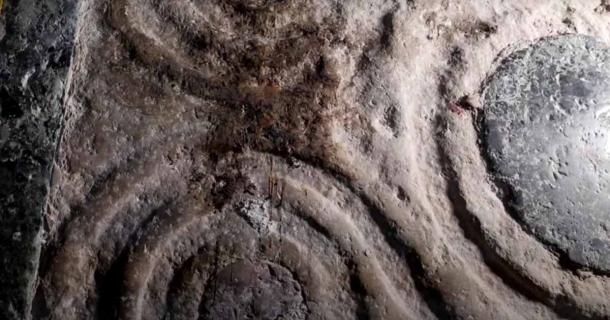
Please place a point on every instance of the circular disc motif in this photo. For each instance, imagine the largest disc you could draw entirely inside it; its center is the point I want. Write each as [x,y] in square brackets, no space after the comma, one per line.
[545,133]
[246,290]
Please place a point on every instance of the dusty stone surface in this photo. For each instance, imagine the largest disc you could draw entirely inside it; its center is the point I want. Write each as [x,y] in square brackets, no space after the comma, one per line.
[321,156]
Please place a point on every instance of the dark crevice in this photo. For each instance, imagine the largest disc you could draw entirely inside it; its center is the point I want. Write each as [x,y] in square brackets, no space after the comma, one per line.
[312,223]
[176,285]
[9,105]
[109,284]
[358,292]
[212,284]
[387,33]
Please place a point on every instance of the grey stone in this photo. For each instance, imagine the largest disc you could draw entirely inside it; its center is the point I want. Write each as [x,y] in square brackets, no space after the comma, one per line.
[546,133]
[35,54]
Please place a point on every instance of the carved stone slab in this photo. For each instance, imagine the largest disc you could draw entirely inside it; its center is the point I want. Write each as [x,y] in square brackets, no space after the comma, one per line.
[321,159]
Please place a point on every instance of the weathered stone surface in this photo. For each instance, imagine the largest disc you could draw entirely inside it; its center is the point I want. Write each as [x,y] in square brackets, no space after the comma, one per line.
[311,159]
[35,53]
[547,135]
[254,291]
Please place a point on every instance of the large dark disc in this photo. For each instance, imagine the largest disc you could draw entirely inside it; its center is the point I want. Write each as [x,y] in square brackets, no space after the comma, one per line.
[545,133]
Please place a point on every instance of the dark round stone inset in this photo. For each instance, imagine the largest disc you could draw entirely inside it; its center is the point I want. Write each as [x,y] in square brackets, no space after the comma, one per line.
[254,290]
[545,133]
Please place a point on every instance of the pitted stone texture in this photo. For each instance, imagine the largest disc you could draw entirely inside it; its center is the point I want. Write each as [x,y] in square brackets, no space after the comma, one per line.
[254,291]
[35,55]
[547,122]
